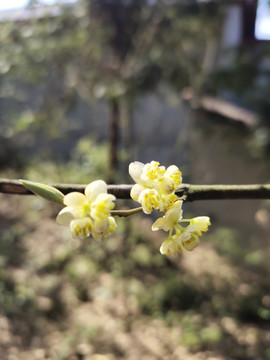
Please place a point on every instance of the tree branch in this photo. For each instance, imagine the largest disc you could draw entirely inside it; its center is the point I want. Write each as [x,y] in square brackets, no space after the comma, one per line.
[230,192]
[125,213]
[188,192]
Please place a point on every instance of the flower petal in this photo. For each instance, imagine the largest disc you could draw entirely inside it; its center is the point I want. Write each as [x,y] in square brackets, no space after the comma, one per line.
[191,243]
[65,216]
[174,174]
[100,208]
[136,191]
[202,222]
[103,228]
[81,228]
[149,199]
[112,226]
[135,171]
[107,199]
[166,186]
[169,247]
[164,248]
[160,224]
[74,199]
[101,225]
[95,188]
[173,216]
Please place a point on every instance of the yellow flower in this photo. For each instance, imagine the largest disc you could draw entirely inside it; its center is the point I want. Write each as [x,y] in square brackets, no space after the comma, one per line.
[152,172]
[155,186]
[170,219]
[149,199]
[103,227]
[170,247]
[189,240]
[81,228]
[100,208]
[180,238]
[89,213]
[183,238]
[202,221]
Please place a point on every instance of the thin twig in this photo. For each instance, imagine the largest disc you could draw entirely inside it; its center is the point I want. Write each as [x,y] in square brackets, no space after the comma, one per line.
[125,213]
[187,191]
[230,192]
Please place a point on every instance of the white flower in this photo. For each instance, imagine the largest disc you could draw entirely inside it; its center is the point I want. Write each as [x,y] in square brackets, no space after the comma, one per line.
[103,228]
[170,247]
[170,219]
[81,228]
[89,213]
[202,222]
[183,238]
[155,186]
[180,237]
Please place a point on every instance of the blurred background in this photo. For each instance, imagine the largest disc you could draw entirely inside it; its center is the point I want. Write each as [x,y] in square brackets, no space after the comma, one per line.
[88,86]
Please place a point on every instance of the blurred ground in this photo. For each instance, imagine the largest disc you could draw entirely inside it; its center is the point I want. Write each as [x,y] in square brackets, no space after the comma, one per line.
[121,299]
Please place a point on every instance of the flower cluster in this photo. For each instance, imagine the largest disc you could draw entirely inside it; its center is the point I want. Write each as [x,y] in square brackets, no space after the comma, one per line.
[89,214]
[155,186]
[155,189]
[180,237]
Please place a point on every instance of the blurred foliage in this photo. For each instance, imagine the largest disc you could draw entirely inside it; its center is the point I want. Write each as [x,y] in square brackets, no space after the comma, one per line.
[53,65]
[88,161]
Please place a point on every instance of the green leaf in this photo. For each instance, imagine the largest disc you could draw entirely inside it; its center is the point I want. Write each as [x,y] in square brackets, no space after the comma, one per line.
[45,191]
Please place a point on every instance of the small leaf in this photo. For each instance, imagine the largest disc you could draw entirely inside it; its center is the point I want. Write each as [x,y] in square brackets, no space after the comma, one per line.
[45,191]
